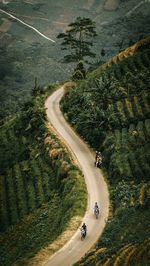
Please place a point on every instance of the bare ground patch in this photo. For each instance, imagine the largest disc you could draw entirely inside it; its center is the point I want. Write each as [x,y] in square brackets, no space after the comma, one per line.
[5,1]
[111,5]
[5,25]
[88,4]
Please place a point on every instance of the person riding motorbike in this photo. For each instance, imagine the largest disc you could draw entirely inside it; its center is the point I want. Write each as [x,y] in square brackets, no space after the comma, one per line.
[84,227]
[98,159]
[96,208]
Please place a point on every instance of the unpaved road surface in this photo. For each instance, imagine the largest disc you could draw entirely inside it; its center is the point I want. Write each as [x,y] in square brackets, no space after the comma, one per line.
[96,187]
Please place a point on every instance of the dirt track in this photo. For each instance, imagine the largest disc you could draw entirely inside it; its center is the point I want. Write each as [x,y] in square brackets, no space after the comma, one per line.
[96,186]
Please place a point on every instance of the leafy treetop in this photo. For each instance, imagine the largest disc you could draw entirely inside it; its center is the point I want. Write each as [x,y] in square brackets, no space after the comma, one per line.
[77,39]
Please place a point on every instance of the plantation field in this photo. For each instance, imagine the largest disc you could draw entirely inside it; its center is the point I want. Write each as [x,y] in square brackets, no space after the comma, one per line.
[111,110]
[24,55]
[37,181]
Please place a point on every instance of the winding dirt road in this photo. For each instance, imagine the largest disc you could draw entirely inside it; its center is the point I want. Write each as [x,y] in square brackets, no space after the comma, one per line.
[96,186]
[27,25]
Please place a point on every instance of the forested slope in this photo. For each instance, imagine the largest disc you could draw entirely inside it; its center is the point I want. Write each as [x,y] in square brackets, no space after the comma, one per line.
[37,181]
[111,110]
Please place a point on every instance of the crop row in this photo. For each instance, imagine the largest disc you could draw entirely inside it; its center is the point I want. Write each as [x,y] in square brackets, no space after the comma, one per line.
[131,64]
[126,151]
[142,197]
[25,187]
[133,84]
[129,254]
[127,111]
[11,139]
[12,149]
[134,134]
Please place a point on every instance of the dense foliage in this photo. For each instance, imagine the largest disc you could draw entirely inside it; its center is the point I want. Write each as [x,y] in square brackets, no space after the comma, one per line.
[40,187]
[79,39]
[111,111]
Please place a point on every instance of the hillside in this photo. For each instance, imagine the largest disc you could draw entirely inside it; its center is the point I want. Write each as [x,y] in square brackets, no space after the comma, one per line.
[24,55]
[37,181]
[111,110]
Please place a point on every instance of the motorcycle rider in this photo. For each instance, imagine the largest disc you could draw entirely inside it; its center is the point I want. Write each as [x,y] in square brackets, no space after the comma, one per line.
[96,208]
[98,159]
[84,227]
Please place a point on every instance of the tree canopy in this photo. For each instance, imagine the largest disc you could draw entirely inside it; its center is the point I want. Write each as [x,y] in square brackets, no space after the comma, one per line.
[78,40]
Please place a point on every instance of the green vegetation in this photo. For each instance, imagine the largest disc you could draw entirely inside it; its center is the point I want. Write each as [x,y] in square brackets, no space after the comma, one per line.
[20,47]
[40,187]
[78,39]
[111,111]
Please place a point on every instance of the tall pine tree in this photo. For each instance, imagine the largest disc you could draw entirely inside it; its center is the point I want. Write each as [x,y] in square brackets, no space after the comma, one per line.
[78,40]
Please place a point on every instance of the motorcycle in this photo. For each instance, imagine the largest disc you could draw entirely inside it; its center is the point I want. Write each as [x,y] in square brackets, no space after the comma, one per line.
[83,233]
[96,212]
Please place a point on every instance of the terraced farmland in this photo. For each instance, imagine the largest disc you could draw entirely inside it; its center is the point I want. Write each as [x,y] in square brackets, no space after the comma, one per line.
[113,114]
[24,188]
[37,176]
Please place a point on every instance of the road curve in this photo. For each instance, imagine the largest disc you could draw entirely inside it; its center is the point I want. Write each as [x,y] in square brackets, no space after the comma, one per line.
[96,187]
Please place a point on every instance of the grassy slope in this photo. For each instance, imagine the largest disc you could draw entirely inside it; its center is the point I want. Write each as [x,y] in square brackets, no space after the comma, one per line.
[111,111]
[41,189]
[20,47]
